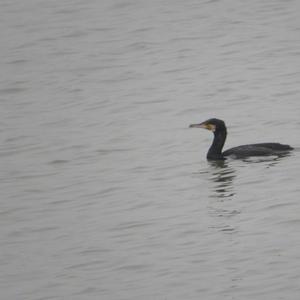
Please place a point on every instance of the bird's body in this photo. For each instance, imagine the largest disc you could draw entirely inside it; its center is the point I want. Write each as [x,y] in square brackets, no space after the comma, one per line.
[260,149]
[219,129]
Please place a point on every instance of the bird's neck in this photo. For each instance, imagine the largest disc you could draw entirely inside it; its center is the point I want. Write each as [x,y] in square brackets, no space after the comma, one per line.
[215,150]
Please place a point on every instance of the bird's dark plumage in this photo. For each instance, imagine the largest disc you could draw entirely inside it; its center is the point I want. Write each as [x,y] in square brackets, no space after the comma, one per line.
[219,129]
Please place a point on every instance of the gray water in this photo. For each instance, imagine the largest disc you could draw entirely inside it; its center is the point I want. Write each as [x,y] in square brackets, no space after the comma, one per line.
[105,191]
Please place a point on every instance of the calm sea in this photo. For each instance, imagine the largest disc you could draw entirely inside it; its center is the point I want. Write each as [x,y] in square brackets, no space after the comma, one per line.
[105,191]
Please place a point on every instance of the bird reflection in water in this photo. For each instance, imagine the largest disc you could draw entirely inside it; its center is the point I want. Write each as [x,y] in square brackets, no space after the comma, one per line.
[270,161]
[222,177]
[221,204]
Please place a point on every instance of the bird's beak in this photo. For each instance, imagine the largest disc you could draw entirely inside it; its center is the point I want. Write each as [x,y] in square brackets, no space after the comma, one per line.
[201,125]
[204,125]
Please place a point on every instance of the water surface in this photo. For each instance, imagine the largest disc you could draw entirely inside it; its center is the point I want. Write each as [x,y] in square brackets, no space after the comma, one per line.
[105,191]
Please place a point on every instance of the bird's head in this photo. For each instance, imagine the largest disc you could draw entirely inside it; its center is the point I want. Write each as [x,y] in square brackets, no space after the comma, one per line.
[214,125]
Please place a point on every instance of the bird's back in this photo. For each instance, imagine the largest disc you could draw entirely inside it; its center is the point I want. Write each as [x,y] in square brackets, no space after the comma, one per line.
[261,149]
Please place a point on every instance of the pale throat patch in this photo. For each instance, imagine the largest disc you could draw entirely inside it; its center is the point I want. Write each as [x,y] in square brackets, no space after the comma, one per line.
[211,127]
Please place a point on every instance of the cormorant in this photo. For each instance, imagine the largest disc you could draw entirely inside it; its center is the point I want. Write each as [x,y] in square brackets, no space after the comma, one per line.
[220,132]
